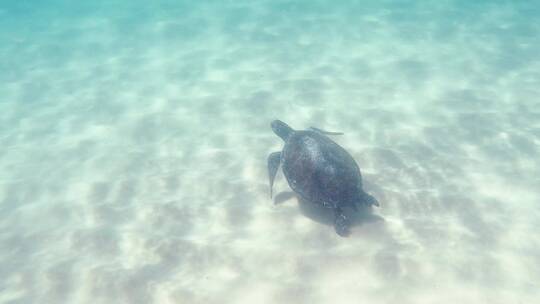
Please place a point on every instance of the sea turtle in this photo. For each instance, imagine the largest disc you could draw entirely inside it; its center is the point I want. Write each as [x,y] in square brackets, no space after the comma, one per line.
[319,171]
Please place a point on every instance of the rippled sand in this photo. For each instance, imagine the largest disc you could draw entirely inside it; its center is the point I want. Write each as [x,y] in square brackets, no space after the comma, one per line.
[134,141]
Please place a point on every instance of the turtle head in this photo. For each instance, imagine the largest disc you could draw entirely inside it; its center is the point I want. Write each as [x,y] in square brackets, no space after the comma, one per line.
[281,129]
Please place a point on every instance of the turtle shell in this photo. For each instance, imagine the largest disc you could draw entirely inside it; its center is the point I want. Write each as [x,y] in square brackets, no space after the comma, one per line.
[320,171]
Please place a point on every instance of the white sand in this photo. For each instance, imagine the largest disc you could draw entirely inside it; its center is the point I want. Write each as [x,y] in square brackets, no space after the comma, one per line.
[134,141]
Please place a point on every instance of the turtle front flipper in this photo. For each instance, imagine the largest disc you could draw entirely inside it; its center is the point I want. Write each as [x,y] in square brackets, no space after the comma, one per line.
[273,164]
[325,132]
[341,223]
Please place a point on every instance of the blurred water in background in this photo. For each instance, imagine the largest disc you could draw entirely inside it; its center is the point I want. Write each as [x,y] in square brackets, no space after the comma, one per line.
[134,137]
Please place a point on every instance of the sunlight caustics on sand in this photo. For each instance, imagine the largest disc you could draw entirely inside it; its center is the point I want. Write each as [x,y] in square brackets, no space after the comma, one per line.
[134,137]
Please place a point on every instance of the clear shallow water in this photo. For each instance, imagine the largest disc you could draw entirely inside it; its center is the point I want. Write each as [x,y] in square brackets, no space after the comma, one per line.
[134,140]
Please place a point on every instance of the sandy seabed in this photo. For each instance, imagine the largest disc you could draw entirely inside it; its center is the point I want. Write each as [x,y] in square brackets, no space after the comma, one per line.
[134,140]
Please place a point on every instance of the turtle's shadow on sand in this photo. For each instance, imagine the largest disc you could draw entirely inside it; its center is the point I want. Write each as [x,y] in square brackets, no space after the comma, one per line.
[324,215]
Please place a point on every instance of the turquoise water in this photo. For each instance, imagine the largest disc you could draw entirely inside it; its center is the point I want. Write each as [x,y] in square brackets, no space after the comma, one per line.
[134,138]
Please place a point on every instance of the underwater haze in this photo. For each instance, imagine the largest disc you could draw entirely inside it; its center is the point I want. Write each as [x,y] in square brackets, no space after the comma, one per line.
[134,138]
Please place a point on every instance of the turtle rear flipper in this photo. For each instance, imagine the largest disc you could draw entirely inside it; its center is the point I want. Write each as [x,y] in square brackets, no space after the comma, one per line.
[369,200]
[273,165]
[341,223]
[325,132]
